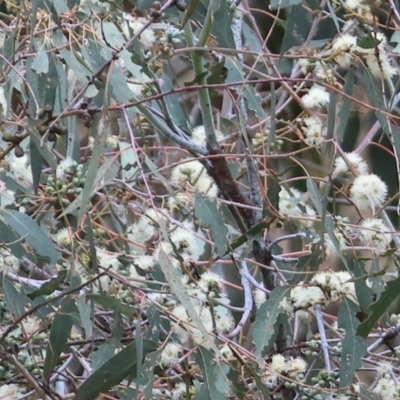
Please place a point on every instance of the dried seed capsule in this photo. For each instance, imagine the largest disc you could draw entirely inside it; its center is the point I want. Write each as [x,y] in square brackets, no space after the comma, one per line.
[19,151]
[59,129]
[41,112]
[84,103]
[92,109]
[42,129]
[12,137]
[49,109]
[181,6]
[87,119]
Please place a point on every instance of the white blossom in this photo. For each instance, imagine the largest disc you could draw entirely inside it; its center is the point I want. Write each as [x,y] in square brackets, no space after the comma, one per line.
[314,131]
[368,191]
[375,234]
[64,167]
[356,160]
[170,354]
[63,237]
[316,97]
[260,297]
[343,47]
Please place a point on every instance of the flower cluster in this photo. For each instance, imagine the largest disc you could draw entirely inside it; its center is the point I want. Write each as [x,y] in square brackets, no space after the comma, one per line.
[193,172]
[281,367]
[324,287]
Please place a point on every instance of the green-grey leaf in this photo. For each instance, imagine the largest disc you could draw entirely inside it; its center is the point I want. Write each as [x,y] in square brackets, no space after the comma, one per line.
[30,231]
[380,307]
[113,371]
[15,301]
[207,211]
[58,336]
[49,287]
[213,378]
[353,346]
[265,324]
[41,62]
[111,303]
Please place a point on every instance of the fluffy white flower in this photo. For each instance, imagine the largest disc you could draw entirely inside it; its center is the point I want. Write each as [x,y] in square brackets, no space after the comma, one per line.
[288,194]
[343,46]
[226,351]
[355,159]
[260,297]
[316,97]
[346,287]
[186,242]
[11,392]
[224,320]
[64,167]
[8,262]
[199,135]
[387,389]
[306,296]
[194,173]
[170,354]
[327,281]
[382,69]
[296,366]
[179,201]
[368,191]
[314,131]
[330,249]
[179,391]
[20,170]
[63,237]
[304,65]
[3,103]
[352,4]
[278,364]
[106,259]
[384,368]
[168,250]
[146,263]
[141,231]
[375,234]
[210,281]
[147,37]
[136,85]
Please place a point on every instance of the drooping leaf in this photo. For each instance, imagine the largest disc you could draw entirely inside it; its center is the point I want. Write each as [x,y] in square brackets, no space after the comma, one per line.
[113,371]
[353,346]
[58,336]
[319,202]
[216,382]
[104,353]
[49,287]
[85,315]
[344,111]
[177,287]
[111,303]
[380,307]
[209,215]
[249,235]
[265,325]
[29,230]
[14,300]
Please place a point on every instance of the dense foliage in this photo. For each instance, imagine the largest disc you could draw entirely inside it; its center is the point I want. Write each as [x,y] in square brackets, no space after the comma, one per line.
[199,201]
